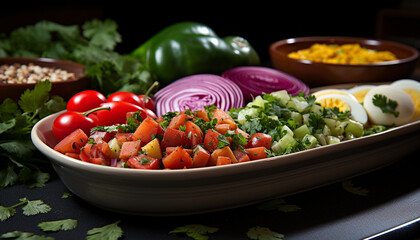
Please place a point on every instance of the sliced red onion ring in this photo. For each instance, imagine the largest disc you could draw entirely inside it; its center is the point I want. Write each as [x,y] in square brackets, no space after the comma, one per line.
[196,91]
[256,80]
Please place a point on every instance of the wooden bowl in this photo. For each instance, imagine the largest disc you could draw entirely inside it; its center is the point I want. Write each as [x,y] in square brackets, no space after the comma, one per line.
[65,89]
[317,74]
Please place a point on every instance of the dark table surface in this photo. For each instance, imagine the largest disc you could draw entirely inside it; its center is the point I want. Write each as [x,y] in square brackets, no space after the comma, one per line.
[328,212]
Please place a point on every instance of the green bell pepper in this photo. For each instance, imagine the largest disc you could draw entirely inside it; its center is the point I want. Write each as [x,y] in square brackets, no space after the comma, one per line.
[188,48]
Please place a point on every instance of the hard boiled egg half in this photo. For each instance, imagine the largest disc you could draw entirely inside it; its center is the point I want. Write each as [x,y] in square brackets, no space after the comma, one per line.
[344,101]
[412,87]
[404,107]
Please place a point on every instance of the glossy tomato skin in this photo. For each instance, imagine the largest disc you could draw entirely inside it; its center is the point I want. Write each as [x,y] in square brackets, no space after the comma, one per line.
[117,113]
[85,100]
[125,97]
[68,122]
[147,102]
[259,140]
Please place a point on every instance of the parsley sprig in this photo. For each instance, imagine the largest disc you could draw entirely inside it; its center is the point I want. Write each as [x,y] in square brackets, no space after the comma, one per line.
[385,104]
[21,163]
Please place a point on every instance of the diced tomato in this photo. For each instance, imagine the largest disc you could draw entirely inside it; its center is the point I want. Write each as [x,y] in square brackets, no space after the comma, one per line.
[259,140]
[102,136]
[210,140]
[202,114]
[200,157]
[222,128]
[173,138]
[143,161]
[178,159]
[222,160]
[244,134]
[178,121]
[130,149]
[99,161]
[256,153]
[73,142]
[241,155]
[220,115]
[226,152]
[147,131]
[124,137]
[194,134]
[169,150]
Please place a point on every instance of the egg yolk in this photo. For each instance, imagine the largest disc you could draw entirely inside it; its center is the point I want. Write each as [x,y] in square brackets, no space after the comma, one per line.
[415,96]
[360,94]
[334,102]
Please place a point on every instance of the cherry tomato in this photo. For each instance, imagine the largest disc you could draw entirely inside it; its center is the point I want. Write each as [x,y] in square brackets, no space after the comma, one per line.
[68,122]
[117,113]
[125,97]
[150,113]
[259,140]
[85,100]
[146,102]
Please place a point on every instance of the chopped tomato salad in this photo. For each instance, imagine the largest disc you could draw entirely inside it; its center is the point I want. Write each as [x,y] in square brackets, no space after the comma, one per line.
[177,140]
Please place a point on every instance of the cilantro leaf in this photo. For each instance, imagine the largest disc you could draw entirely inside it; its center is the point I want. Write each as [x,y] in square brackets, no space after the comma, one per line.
[102,34]
[65,224]
[349,187]
[6,212]
[195,231]
[32,101]
[111,232]
[263,233]
[18,235]
[34,207]
[279,205]
[385,104]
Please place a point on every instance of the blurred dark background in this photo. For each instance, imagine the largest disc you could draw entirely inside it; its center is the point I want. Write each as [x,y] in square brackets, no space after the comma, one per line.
[260,22]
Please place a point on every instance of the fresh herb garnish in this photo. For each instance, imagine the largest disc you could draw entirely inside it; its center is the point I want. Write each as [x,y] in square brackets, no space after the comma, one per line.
[385,104]
[31,208]
[54,226]
[111,231]
[195,231]
[22,162]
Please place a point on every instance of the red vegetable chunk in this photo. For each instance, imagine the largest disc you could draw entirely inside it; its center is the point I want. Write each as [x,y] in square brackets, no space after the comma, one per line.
[73,142]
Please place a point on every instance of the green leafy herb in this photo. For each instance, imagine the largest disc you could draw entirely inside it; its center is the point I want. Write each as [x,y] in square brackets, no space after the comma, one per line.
[349,187]
[385,104]
[195,231]
[223,142]
[23,164]
[18,235]
[92,46]
[263,233]
[66,195]
[65,224]
[31,208]
[110,232]
[279,205]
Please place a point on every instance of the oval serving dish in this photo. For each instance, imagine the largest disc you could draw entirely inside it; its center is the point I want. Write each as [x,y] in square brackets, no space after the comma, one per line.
[192,191]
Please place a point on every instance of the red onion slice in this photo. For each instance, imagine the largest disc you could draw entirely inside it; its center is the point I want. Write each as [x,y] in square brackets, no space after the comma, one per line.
[256,80]
[196,91]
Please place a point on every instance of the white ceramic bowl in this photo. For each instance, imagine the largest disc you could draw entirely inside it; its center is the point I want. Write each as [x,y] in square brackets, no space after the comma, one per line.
[190,191]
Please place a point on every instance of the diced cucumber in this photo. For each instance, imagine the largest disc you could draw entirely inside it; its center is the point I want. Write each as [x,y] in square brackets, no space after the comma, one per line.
[282,95]
[252,112]
[354,129]
[309,141]
[286,130]
[332,140]
[301,131]
[296,103]
[321,138]
[285,142]
[258,102]
[297,117]
[317,109]
[336,127]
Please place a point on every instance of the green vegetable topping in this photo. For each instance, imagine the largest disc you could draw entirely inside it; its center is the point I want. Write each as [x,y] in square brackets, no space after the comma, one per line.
[195,231]
[385,104]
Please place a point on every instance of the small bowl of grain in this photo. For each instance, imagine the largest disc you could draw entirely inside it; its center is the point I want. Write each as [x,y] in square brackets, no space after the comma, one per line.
[20,73]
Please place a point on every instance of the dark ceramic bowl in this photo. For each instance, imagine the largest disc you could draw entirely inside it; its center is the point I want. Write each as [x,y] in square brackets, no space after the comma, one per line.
[65,89]
[317,74]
